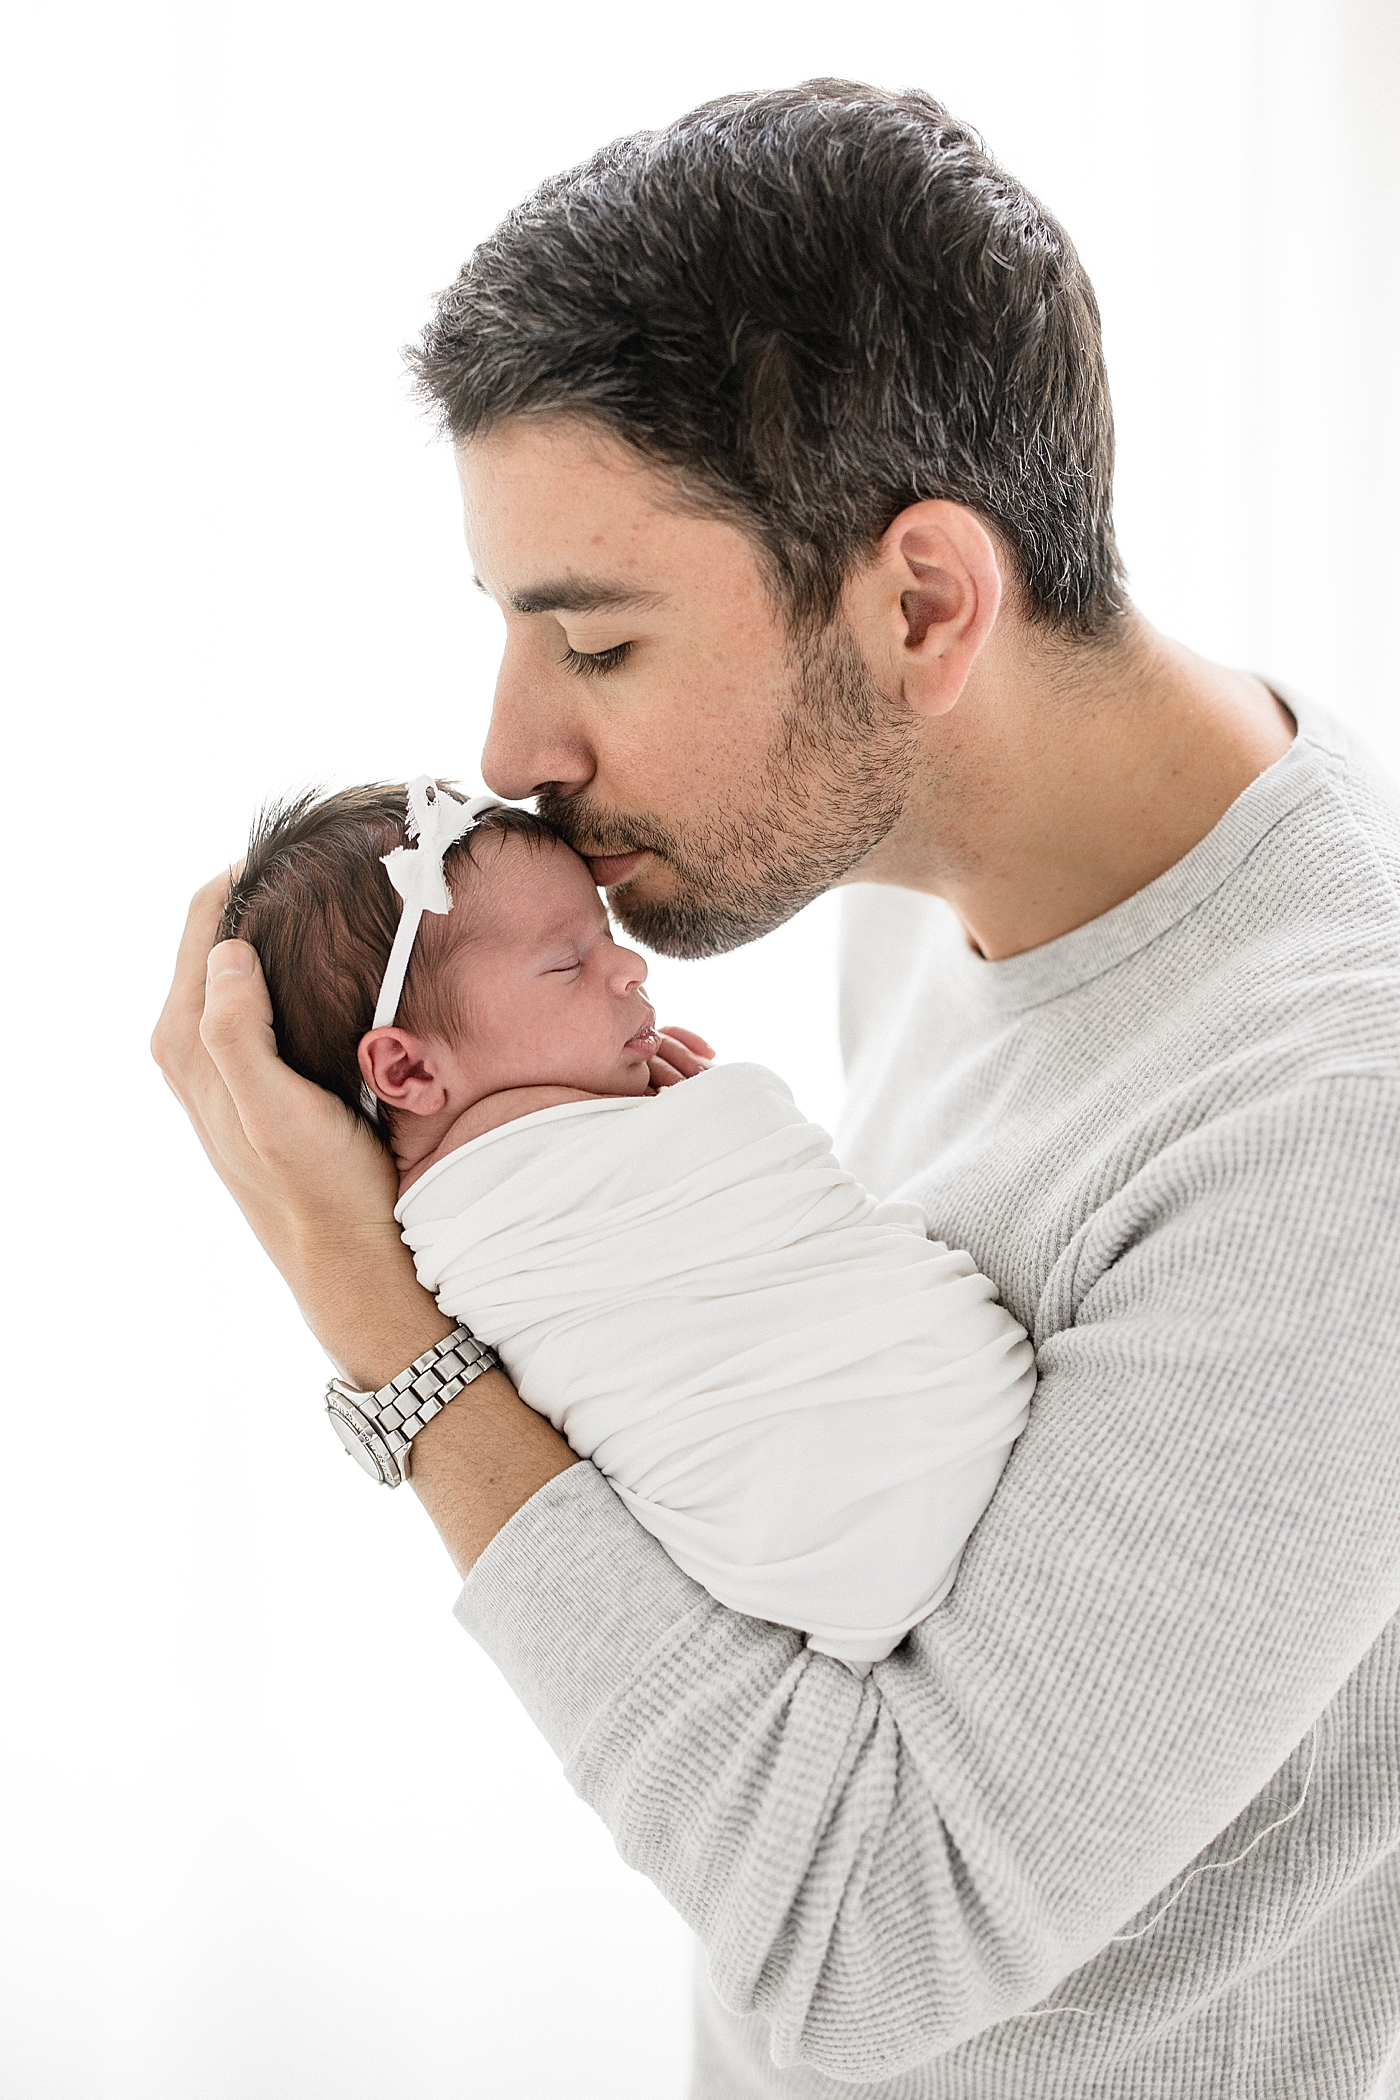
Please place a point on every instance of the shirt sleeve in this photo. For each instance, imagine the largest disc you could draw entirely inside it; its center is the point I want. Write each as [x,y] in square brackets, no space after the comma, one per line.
[1195,1542]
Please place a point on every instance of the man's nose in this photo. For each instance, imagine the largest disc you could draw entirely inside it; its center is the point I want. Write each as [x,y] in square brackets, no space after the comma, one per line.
[531,743]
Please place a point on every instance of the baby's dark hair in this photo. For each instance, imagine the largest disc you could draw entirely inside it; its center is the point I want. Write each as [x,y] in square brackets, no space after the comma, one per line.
[315,902]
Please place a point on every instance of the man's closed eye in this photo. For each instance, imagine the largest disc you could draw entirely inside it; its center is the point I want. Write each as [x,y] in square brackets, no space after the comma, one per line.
[597,663]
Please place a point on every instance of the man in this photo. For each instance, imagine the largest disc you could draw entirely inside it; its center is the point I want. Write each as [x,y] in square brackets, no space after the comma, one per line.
[786,452]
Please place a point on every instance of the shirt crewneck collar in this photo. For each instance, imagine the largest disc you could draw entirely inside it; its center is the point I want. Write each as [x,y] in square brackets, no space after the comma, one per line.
[1059,966]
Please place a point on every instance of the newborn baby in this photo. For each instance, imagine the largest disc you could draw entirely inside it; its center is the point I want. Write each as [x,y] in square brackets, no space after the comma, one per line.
[806,1400]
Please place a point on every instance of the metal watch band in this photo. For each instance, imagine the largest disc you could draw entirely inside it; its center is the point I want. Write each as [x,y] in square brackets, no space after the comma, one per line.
[378,1428]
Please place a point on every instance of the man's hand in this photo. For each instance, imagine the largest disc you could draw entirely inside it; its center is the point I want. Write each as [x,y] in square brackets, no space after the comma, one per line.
[681,1055]
[293,1156]
[315,1186]
[319,1192]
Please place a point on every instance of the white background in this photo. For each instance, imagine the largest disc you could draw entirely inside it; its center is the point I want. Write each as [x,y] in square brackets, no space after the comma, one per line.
[274,1826]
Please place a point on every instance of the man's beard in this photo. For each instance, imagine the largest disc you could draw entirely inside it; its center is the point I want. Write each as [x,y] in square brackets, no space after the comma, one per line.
[835,780]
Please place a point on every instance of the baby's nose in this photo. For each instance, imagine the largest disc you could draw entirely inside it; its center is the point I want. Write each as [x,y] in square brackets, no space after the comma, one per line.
[632,970]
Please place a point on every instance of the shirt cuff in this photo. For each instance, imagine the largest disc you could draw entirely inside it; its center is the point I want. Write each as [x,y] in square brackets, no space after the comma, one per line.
[570,1598]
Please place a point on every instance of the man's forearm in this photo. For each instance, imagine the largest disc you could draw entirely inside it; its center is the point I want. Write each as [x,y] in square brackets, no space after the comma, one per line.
[363,1302]
[1183,1565]
[486,1454]
[480,1461]
[319,1192]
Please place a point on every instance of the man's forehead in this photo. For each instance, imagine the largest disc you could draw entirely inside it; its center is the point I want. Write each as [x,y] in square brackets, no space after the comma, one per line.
[558,467]
[562,516]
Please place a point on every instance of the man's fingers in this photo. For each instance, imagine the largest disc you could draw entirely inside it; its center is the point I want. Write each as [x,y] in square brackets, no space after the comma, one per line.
[287,1151]
[235,1025]
[283,1117]
[175,1044]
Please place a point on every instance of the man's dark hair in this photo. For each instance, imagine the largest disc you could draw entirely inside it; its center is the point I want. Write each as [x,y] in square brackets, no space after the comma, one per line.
[820,305]
[314,900]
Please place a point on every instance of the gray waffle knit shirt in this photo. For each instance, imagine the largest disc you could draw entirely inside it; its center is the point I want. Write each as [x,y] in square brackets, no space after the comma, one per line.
[1122,1817]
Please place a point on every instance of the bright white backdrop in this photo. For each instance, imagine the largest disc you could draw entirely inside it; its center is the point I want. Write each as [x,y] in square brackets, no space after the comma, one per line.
[273,1826]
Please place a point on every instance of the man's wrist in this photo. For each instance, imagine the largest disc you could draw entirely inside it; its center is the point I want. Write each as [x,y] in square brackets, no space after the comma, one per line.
[479,1460]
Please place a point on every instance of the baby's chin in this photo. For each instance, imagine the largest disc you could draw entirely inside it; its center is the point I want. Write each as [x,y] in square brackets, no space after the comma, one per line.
[635,1075]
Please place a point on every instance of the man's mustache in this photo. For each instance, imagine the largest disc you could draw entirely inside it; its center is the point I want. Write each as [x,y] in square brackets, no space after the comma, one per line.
[594,836]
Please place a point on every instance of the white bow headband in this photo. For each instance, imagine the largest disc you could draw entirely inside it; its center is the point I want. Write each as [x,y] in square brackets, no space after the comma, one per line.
[436,821]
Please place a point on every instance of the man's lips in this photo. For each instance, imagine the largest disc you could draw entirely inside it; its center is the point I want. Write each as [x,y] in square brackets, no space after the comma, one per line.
[609,869]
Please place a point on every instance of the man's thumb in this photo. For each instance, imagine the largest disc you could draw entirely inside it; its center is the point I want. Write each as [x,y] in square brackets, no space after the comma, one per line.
[236,1027]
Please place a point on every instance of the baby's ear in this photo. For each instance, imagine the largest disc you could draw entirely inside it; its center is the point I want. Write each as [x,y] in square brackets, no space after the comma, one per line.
[401,1069]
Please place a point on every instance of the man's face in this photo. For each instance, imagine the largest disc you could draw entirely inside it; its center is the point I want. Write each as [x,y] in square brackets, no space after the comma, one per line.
[718,774]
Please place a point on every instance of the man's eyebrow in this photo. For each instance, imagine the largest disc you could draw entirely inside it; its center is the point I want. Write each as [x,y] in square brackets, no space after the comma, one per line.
[579,594]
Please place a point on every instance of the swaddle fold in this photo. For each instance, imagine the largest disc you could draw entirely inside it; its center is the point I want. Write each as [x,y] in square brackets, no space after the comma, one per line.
[806,1400]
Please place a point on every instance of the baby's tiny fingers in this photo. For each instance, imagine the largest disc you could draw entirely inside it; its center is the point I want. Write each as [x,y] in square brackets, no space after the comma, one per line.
[677,1051]
[689,1040]
[663,1074]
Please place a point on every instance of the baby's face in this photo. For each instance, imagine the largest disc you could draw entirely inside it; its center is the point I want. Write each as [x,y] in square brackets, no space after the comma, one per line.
[550,997]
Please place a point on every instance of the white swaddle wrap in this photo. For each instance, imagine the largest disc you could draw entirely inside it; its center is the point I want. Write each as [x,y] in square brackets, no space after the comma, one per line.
[806,1400]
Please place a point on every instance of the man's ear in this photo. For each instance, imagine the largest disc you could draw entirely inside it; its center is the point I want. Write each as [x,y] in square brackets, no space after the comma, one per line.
[929,600]
[401,1069]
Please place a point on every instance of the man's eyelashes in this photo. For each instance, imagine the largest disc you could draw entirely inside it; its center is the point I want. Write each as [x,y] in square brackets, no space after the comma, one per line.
[598,663]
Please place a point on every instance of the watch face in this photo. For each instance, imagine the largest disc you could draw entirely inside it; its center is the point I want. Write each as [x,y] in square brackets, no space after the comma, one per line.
[358,1449]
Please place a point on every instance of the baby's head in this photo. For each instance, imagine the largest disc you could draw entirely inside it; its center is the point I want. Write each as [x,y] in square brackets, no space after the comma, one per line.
[520,984]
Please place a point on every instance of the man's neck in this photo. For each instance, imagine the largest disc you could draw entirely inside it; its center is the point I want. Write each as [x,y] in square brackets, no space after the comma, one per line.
[1068,777]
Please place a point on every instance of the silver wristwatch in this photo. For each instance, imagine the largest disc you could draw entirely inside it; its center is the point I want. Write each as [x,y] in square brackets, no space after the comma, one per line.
[378,1428]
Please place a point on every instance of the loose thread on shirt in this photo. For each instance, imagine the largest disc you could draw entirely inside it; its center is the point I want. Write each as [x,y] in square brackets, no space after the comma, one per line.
[1213,1866]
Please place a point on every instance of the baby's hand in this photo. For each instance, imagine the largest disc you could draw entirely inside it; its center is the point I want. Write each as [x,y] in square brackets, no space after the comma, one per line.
[680,1055]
